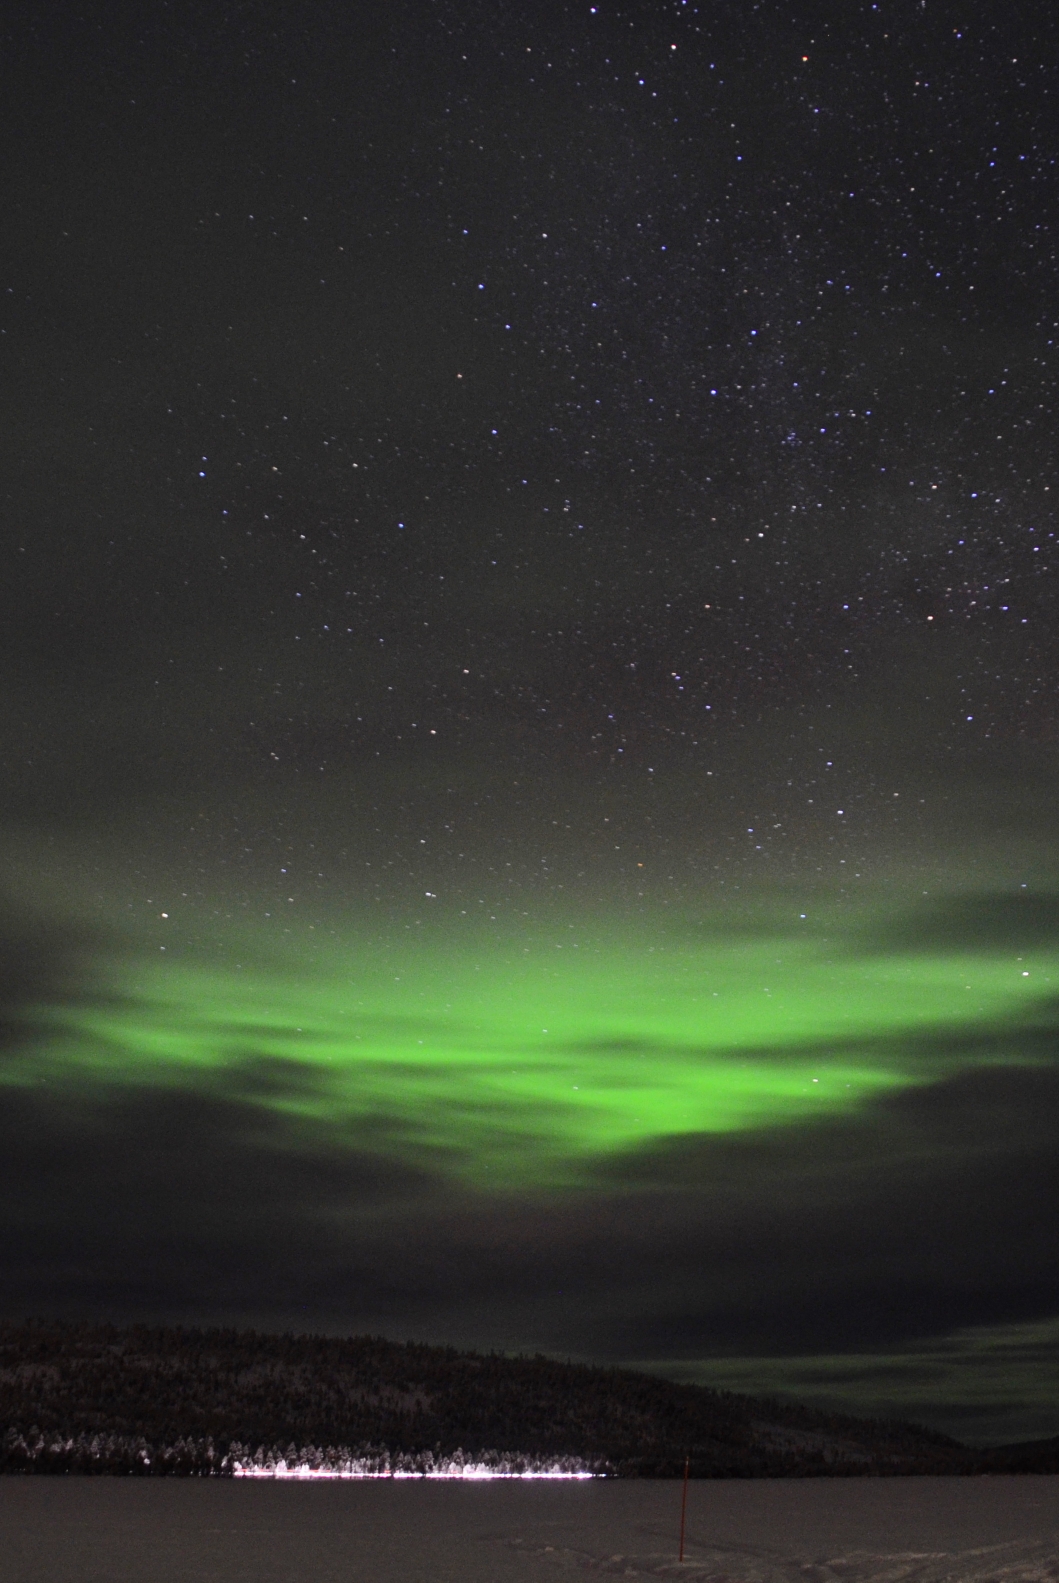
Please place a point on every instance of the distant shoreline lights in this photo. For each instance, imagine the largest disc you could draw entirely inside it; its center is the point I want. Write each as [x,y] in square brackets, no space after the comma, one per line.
[476,1471]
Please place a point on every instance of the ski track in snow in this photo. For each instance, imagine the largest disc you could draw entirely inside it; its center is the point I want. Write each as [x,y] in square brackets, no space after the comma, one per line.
[1015,1562]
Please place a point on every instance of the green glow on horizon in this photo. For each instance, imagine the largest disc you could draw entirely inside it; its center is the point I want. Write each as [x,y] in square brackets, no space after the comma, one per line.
[507,1063]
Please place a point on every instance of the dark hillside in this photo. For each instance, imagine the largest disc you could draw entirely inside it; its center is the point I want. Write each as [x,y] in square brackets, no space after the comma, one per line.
[182,1400]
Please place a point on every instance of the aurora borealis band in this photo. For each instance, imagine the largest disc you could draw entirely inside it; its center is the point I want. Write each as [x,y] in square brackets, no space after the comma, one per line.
[529,685]
[515,1064]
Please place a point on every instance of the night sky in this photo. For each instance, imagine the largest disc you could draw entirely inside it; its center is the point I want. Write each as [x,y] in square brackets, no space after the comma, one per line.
[529,723]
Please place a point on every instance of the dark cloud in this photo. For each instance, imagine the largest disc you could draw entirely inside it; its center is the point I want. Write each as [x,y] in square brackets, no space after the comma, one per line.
[42,961]
[928,1213]
[162,1203]
[1002,920]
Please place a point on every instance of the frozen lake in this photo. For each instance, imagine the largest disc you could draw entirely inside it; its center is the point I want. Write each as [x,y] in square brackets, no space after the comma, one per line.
[52,1530]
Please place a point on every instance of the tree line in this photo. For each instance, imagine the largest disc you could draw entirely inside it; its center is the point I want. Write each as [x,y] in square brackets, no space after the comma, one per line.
[151,1400]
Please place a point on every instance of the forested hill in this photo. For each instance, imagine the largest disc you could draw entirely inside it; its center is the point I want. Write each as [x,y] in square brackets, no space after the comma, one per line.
[78,1397]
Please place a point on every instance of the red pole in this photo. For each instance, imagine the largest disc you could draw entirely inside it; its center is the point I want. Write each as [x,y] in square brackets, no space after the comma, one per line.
[684,1505]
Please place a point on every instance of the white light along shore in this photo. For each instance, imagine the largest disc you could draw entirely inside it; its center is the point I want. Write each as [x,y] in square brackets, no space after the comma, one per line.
[342,1462]
[466,1470]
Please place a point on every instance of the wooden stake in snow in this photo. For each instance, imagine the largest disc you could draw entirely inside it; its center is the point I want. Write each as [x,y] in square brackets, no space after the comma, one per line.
[684,1505]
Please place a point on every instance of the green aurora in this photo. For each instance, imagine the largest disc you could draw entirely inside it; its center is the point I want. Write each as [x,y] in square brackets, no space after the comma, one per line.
[534,1062]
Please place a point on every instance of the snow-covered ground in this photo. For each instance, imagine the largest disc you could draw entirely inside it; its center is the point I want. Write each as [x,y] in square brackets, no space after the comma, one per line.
[975,1530]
